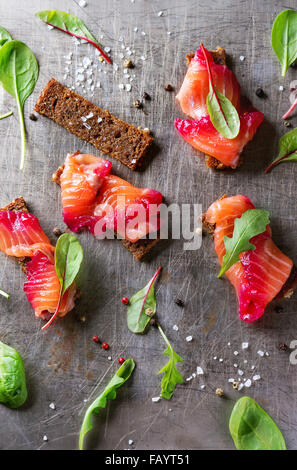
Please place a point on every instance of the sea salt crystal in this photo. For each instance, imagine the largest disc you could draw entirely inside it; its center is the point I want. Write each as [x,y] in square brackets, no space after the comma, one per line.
[189,338]
[221,359]
[267,354]
[135,29]
[83,118]
[121,39]
[281,88]
[98,85]
[109,358]
[241,58]
[86,62]
[143,33]
[82,3]
[156,399]
[240,372]
[52,406]
[65,76]
[160,13]
[68,62]
[130,442]
[257,377]
[189,379]
[87,126]
[128,87]
[169,33]
[245,361]
[99,120]
[143,58]
[80,77]
[199,371]
[253,367]
[89,81]
[90,115]
[175,327]
[248,383]
[133,160]
[202,387]
[49,26]
[240,386]
[245,345]
[45,438]
[107,49]
[235,353]
[121,86]
[235,365]
[67,69]
[214,358]
[121,55]
[229,344]
[261,353]
[231,380]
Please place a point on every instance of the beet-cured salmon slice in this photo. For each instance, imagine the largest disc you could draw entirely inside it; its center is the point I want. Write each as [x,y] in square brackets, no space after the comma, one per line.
[80,182]
[91,195]
[195,88]
[43,288]
[202,135]
[261,273]
[21,235]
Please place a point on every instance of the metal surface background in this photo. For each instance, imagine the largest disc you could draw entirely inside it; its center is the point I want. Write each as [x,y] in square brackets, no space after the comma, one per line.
[64,366]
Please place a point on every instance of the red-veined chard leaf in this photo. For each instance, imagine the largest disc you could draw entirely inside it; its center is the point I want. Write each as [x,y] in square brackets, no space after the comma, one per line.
[68,258]
[172,376]
[287,149]
[142,306]
[252,428]
[251,223]
[222,113]
[109,393]
[4,294]
[284,38]
[18,76]
[72,25]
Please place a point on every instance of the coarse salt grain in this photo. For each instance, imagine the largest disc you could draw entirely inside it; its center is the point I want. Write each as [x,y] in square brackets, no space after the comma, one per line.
[128,87]
[245,361]
[256,377]
[261,353]
[240,386]
[248,383]
[241,58]
[99,119]
[175,327]
[281,88]
[45,438]
[245,345]
[130,442]
[90,115]
[98,85]
[107,49]
[229,344]
[188,379]
[240,372]
[235,353]
[231,380]
[121,86]
[109,358]
[160,13]
[82,3]
[143,33]
[267,354]
[199,370]
[202,387]
[49,26]
[156,399]
[253,367]
[87,126]
[133,161]
[189,338]
[135,29]
[235,365]
[83,118]
[86,61]
[52,406]
[221,359]
[214,358]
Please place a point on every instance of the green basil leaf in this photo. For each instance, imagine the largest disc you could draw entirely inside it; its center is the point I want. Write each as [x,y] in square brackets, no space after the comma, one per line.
[13,390]
[72,25]
[4,294]
[18,76]
[251,223]
[284,38]
[223,114]
[109,393]
[68,258]
[172,376]
[142,306]
[4,36]
[252,428]
[287,149]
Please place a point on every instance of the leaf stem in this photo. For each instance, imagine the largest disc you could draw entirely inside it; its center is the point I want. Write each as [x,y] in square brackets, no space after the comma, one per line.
[276,162]
[164,336]
[6,115]
[287,114]
[55,314]
[4,294]
[23,132]
[147,292]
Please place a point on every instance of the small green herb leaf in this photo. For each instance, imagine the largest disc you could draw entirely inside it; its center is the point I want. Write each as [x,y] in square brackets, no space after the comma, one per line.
[13,390]
[109,393]
[137,318]
[252,428]
[222,113]
[284,38]
[18,76]
[68,258]
[287,149]
[172,376]
[72,25]
[4,36]
[4,294]
[251,223]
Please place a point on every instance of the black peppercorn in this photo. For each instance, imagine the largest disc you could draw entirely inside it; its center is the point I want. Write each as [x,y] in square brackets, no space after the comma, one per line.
[278,309]
[179,302]
[294,64]
[260,93]
[168,87]
[33,117]
[57,231]
[283,347]
[146,96]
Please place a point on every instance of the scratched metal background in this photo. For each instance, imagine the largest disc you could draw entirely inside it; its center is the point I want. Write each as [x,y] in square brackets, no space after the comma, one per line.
[64,366]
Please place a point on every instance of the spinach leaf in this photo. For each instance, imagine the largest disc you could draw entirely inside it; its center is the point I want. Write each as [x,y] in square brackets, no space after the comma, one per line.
[68,258]
[18,76]
[251,223]
[287,149]
[4,294]
[284,38]
[4,36]
[72,25]
[172,376]
[109,393]
[222,113]
[142,306]
[13,390]
[252,428]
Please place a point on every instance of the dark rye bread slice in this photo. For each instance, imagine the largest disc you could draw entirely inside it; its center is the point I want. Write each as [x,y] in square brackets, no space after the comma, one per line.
[110,135]
[290,285]
[18,205]
[219,56]
[139,249]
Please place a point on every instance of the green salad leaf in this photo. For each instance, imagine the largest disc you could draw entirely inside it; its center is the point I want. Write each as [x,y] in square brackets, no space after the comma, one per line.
[172,376]
[4,36]
[287,149]
[68,258]
[18,76]
[252,428]
[72,25]
[284,38]
[13,389]
[142,306]
[251,223]
[222,113]
[109,393]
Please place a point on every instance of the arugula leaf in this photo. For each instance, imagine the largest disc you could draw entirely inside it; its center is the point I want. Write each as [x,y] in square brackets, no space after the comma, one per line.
[284,38]
[287,149]
[68,258]
[251,223]
[18,76]
[222,113]
[4,36]
[138,315]
[172,376]
[252,428]
[72,25]
[4,294]
[109,393]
